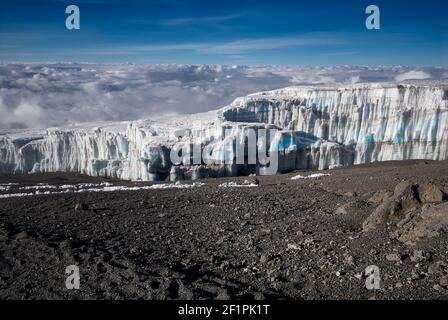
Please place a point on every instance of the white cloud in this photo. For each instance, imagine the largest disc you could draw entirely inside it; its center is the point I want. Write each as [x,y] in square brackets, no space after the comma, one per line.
[27,114]
[44,95]
[413,75]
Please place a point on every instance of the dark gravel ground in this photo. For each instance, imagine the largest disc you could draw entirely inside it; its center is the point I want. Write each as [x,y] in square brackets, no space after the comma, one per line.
[282,240]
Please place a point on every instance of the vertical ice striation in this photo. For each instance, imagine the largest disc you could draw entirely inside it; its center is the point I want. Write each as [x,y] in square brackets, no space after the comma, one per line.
[316,128]
[93,152]
[367,123]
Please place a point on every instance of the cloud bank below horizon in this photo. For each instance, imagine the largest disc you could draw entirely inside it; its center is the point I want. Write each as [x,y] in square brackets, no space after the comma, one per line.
[46,95]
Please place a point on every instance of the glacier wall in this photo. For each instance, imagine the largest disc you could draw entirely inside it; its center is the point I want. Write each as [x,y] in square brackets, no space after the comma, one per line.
[315,128]
[371,122]
[92,153]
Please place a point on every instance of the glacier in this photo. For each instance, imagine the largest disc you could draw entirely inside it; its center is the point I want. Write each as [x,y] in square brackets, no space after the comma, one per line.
[314,128]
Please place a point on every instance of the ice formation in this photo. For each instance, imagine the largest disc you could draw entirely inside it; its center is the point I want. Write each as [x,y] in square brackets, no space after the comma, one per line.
[318,128]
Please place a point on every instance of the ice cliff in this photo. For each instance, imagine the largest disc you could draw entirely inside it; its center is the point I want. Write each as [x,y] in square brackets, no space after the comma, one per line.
[316,128]
[361,124]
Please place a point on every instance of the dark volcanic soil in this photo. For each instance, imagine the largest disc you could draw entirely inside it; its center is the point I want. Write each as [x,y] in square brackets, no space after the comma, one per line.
[283,239]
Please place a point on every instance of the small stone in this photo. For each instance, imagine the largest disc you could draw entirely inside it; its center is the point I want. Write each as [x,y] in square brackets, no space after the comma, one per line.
[393,257]
[444,281]
[417,256]
[349,260]
[437,268]
[308,241]
[292,246]
[415,275]
[264,258]
[345,208]
[437,287]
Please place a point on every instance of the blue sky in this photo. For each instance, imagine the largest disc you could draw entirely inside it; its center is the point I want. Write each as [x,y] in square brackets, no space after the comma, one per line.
[251,32]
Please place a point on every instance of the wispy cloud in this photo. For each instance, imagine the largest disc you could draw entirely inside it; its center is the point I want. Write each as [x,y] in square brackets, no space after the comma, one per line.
[245,45]
[201,20]
[235,47]
[339,53]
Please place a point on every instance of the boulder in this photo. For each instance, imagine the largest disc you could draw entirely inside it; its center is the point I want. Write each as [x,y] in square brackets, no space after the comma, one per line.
[346,208]
[429,192]
[406,194]
[394,207]
[379,196]
[430,221]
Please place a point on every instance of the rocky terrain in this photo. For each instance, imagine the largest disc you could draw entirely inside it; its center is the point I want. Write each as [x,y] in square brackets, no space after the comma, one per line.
[272,238]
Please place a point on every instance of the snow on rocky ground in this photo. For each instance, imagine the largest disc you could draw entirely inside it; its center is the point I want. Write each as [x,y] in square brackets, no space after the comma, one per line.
[46,189]
[311,176]
[234,184]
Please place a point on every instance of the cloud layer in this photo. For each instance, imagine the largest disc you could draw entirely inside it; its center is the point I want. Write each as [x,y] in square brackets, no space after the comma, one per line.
[45,95]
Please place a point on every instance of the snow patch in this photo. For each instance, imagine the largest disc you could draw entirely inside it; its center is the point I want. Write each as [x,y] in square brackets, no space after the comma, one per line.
[105,187]
[177,185]
[233,184]
[311,176]
[15,195]
[38,187]
[85,185]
